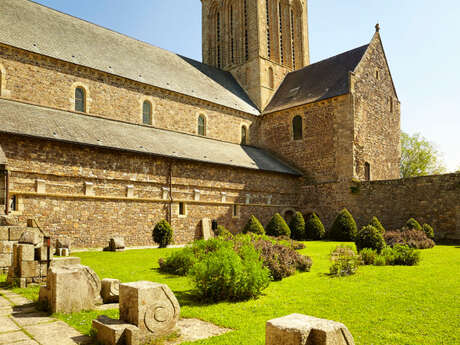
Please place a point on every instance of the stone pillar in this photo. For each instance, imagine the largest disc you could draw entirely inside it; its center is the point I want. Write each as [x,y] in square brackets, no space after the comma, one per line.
[297,329]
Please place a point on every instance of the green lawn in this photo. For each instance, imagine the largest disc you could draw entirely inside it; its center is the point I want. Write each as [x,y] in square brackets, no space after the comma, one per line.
[380,305]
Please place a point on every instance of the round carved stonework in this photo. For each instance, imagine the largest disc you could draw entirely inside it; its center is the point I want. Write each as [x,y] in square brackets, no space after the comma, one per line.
[161,316]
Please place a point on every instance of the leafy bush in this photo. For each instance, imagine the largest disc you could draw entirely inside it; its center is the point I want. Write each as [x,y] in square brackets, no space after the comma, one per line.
[379,260]
[344,227]
[297,227]
[314,228]
[428,230]
[401,255]
[370,237]
[282,261]
[253,225]
[345,261]
[278,227]
[222,231]
[368,256]
[162,233]
[375,222]
[412,238]
[412,224]
[178,263]
[228,275]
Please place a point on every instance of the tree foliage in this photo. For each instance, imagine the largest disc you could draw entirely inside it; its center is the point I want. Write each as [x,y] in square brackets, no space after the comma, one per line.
[419,157]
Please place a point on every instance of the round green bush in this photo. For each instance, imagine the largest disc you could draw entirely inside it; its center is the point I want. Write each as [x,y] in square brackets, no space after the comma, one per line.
[297,227]
[368,256]
[162,233]
[253,225]
[375,222]
[344,227]
[314,228]
[369,237]
[428,230]
[278,227]
[412,224]
[222,231]
[227,275]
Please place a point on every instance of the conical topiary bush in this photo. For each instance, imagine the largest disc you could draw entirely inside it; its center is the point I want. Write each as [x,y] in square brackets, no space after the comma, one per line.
[375,222]
[253,225]
[314,228]
[297,227]
[278,227]
[344,227]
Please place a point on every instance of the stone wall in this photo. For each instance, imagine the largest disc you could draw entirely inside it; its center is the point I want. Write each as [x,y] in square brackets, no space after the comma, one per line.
[93,194]
[49,82]
[432,199]
[377,116]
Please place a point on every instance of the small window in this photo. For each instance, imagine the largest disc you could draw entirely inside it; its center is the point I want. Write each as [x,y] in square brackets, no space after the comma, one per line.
[236,211]
[147,113]
[181,209]
[390,100]
[271,78]
[80,101]
[14,203]
[377,74]
[367,171]
[201,125]
[297,127]
[244,135]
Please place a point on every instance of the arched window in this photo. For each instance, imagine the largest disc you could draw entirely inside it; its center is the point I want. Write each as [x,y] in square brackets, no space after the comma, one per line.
[80,99]
[297,127]
[267,9]
[201,125]
[292,39]
[280,19]
[367,171]
[246,43]
[271,78]
[218,29]
[147,113]
[244,135]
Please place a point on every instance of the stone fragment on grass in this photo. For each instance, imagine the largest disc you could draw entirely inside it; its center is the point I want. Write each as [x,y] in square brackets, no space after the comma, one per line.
[117,244]
[110,290]
[297,329]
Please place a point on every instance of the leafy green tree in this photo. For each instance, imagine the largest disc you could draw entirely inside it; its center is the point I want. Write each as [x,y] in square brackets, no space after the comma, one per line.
[419,157]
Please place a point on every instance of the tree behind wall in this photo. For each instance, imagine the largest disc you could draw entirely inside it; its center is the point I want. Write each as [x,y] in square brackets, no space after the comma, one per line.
[419,157]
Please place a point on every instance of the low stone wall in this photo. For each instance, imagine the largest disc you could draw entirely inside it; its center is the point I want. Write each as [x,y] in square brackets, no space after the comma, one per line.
[430,199]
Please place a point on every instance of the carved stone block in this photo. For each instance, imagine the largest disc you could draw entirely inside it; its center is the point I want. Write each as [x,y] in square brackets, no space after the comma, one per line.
[110,291]
[152,307]
[15,232]
[297,329]
[111,332]
[41,253]
[25,252]
[30,237]
[27,269]
[117,244]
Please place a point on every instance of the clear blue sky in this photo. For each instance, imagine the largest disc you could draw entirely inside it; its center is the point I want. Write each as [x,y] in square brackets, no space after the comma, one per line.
[421,40]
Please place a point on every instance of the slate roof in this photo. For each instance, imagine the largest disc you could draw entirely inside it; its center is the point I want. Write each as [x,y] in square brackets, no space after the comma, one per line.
[33,27]
[45,123]
[321,80]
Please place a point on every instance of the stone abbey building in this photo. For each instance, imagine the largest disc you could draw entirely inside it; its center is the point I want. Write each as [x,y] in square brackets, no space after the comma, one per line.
[104,135]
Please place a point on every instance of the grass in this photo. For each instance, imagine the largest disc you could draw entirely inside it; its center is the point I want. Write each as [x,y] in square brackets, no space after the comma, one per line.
[379,305]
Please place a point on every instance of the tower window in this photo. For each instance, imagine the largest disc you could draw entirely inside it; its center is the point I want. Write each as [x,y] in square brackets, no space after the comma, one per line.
[14,203]
[182,209]
[219,57]
[244,135]
[231,35]
[292,39]
[267,8]
[246,43]
[236,211]
[201,125]
[377,74]
[271,78]
[390,100]
[297,127]
[281,32]
[80,100]
[367,171]
[147,113]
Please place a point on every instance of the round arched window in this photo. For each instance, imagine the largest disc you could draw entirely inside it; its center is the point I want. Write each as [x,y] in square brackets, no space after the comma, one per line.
[147,113]
[297,127]
[80,99]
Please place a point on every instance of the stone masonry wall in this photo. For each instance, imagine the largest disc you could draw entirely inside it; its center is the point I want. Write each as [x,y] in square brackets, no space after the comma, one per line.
[49,82]
[321,153]
[377,116]
[432,199]
[93,194]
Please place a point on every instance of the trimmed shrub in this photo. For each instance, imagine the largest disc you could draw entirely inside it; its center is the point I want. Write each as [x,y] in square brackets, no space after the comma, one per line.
[314,228]
[375,222]
[428,230]
[228,275]
[412,224]
[368,256]
[297,227]
[162,233]
[178,263]
[412,238]
[253,225]
[344,227]
[278,227]
[401,255]
[345,261]
[369,237]
[222,231]
[281,260]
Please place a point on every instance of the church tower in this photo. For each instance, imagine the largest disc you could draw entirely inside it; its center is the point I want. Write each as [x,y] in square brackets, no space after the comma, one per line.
[258,41]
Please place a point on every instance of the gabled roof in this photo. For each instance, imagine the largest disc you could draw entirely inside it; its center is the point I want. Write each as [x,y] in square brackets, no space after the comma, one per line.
[51,124]
[321,80]
[33,27]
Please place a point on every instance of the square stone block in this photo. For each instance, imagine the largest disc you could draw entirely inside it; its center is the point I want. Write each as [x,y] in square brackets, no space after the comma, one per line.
[297,329]
[152,307]
[28,269]
[26,252]
[41,253]
[6,260]
[4,233]
[110,331]
[15,232]
[6,247]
